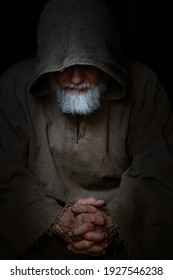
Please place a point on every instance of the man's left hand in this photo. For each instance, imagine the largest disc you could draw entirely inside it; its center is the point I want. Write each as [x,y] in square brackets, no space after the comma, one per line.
[96,240]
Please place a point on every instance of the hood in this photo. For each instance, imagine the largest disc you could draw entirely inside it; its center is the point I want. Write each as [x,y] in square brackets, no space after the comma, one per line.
[77,32]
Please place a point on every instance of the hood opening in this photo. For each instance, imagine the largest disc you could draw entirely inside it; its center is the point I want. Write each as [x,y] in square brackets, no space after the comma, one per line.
[77,32]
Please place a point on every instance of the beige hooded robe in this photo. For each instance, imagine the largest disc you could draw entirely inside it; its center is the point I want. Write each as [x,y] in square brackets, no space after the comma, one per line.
[123,152]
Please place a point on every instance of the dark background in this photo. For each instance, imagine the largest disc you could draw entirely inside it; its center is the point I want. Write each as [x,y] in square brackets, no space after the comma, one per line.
[145,27]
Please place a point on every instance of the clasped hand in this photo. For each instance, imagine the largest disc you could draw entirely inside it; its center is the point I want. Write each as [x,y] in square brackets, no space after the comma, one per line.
[86,227]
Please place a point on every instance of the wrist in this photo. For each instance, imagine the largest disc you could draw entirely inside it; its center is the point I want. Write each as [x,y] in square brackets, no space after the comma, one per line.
[62,223]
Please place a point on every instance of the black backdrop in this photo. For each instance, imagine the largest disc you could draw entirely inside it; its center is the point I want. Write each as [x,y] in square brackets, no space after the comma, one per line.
[146,28]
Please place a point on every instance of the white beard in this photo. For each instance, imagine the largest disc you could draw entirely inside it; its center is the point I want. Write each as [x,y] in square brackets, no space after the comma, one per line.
[76,103]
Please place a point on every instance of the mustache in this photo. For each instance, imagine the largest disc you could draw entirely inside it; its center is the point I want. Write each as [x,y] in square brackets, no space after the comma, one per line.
[77,87]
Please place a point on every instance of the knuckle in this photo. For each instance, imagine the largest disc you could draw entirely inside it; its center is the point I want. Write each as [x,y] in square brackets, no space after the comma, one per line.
[87,244]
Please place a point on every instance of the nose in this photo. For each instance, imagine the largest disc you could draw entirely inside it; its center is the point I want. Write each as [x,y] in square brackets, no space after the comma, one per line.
[77,75]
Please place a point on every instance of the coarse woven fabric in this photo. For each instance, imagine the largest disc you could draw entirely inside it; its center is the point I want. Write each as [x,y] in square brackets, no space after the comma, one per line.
[124,152]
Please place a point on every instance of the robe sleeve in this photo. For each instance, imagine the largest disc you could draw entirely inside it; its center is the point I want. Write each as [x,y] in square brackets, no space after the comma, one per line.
[26,209]
[142,206]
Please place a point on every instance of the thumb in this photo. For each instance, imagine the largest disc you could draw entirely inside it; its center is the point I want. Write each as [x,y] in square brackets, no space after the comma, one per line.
[91,201]
[83,208]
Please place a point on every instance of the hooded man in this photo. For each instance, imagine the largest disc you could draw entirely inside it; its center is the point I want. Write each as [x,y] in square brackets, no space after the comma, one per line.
[86,146]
